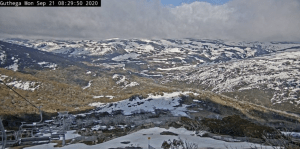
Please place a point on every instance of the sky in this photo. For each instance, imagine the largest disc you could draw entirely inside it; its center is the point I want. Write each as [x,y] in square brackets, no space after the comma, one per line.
[238,20]
[173,3]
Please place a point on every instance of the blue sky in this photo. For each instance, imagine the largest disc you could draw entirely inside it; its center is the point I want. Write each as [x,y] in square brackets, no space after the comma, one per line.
[179,2]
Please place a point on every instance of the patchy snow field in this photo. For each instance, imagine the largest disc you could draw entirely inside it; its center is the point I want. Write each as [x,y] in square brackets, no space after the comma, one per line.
[169,101]
[2,77]
[48,65]
[126,57]
[31,86]
[278,72]
[123,81]
[2,56]
[140,138]
[212,49]
[221,66]
[13,66]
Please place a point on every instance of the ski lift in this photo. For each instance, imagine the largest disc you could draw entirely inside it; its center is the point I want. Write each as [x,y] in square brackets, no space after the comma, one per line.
[31,132]
[30,129]
[64,116]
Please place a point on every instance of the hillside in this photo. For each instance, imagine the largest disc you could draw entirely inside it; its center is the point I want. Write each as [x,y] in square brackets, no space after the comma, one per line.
[141,83]
[264,73]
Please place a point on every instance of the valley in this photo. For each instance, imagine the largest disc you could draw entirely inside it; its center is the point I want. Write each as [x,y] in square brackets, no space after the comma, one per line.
[152,84]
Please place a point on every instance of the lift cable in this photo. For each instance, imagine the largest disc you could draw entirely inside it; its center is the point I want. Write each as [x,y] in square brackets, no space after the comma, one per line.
[19,95]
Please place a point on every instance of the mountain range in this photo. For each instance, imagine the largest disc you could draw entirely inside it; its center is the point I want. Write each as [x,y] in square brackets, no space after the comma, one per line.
[263,73]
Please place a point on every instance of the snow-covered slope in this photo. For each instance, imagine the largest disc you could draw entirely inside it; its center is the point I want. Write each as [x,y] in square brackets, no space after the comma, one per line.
[169,101]
[278,72]
[216,65]
[140,139]
[18,58]
[214,50]
[23,85]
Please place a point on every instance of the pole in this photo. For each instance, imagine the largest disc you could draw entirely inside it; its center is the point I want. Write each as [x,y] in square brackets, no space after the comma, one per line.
[64,138]
[3,134]
[149,142]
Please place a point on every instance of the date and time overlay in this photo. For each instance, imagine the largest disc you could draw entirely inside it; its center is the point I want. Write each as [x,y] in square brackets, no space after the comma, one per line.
[59,3]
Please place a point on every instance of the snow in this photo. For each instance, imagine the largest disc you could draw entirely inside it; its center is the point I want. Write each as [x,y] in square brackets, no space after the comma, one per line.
[2,57]
[48,64]
[96,104]
[140,138]
[101,96]
[124,81]
[174,50]
[132,84]
[89,47]
[145,40]
[24,85]
[292,134]
[98,96]
[269,72]
[166,102]
[109,96]
[89,72]
[98,127]
[111,65]
[177,68]
[89,85]
[166,42]
[14,66]
[43,63]
[80,115]
[196,100]
[51,66]
[71,134]
[146,49]
[43,146]
[115,76]
[125,57]
[111,128]
[255,68]
[2,77]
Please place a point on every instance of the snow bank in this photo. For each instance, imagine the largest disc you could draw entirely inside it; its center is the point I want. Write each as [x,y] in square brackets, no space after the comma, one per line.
[126,57]
[24,85]
[124,81]
[48,64]
[132,84]
[96,104]
[98,96]
[2,77]
[89,85]
[169,101]
[101,96]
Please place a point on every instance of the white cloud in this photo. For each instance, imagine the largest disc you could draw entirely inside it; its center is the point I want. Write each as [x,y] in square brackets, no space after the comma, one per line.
[236,20]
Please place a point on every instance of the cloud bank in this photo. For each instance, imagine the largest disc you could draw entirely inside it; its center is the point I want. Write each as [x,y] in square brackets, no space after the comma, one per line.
[250,20]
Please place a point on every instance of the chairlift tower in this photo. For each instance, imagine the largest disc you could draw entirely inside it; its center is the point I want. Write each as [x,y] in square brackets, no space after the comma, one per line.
[63,115]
